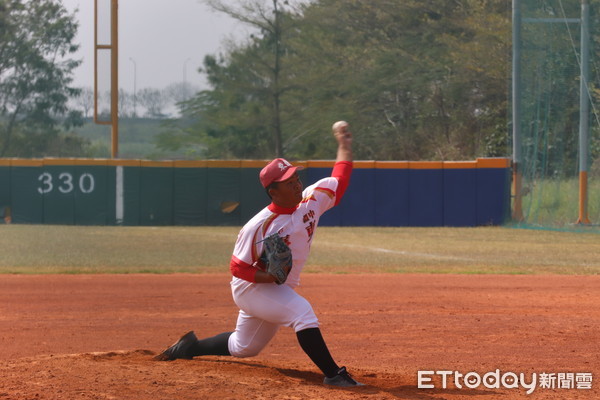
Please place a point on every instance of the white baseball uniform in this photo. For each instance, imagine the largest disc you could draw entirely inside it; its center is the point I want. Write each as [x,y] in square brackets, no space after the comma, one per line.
[264,307]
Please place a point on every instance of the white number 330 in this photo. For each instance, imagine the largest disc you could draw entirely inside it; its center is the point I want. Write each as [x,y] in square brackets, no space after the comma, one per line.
[65,185]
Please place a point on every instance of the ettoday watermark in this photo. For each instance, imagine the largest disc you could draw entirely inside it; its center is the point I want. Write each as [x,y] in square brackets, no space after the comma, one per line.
[505,380]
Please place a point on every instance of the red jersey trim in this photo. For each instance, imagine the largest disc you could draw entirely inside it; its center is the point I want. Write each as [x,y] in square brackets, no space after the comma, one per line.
[263,229]
[274,208]
[327,191]
[268,223]
[254,243]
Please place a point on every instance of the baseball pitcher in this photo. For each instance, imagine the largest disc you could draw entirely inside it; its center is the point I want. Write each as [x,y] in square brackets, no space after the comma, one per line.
[268,257]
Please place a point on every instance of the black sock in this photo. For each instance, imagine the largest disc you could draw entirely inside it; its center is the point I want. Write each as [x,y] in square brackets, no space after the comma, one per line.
[314,346]
[213,346]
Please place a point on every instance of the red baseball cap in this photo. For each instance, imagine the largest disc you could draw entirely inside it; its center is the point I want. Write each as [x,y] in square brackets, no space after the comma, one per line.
[277,170]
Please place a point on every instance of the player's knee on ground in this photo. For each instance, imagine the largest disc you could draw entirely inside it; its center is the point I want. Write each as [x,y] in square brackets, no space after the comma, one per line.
[244,350]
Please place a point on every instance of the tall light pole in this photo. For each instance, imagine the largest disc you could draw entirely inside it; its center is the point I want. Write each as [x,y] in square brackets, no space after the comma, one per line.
[184,87]
[107,46]
[134,86]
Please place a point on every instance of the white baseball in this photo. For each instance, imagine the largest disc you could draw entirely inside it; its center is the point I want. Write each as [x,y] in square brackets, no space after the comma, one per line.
[339,125]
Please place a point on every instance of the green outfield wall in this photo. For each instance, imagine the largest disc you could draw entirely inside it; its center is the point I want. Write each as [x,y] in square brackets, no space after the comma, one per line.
[139,192]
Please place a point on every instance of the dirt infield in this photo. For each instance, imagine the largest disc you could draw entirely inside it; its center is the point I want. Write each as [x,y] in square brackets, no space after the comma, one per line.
[93,337]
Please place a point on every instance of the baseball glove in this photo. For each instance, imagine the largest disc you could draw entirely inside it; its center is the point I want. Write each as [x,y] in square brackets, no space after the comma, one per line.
[277,257]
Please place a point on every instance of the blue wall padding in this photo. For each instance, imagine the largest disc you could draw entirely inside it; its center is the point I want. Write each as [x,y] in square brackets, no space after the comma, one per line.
[189,199]
[92,204]
[357,204]
[426,197]
[223,186]
[4,188]
[493,195]
[110,195]
[253,197]
[61,194]
[59,207]
[380,194]
[392,199]
[156,196]
[131,194]
[460,197]
[26,203]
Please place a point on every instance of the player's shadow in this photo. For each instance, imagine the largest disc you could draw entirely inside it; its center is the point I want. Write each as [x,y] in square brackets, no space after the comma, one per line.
[414,393]
[316,379]
[229,360]
[407,392]
[308,376]
[401,392]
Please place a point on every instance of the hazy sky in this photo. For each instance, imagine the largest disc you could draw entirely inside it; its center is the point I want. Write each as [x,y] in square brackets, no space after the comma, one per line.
[162,37]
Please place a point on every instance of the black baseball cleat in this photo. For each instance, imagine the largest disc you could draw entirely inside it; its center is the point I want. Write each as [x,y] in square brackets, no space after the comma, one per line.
[180,349]
[342,379]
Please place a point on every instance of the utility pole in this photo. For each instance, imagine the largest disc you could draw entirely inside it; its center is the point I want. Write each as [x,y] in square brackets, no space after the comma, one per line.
[134,86]
[184,87]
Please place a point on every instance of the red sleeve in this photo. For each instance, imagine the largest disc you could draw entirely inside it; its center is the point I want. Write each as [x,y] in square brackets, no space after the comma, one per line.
[341,171]
[242,270]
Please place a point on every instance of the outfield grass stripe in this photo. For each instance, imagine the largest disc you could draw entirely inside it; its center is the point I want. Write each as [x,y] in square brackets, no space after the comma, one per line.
[101,249]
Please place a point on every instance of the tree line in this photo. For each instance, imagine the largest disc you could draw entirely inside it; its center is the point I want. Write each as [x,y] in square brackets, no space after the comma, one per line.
[417,79]
[146,102]
[36,78]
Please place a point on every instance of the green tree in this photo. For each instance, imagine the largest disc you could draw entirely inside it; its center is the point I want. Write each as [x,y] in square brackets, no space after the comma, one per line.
[263,58]
[384,66]
[36,39]
[477,77]
[417,80]
[229,121]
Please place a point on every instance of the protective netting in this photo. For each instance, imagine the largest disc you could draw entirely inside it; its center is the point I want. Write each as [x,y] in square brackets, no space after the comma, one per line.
[550,119]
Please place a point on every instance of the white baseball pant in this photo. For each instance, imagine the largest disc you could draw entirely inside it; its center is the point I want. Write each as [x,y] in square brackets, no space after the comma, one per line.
[264,307]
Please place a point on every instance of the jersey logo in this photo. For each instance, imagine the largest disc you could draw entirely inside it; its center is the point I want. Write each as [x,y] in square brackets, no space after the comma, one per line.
[309,218]
[286,238]
[310,229]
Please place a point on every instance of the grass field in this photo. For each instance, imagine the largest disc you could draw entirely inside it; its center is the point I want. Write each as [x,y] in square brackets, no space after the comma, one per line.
[555,202]
[43,249]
